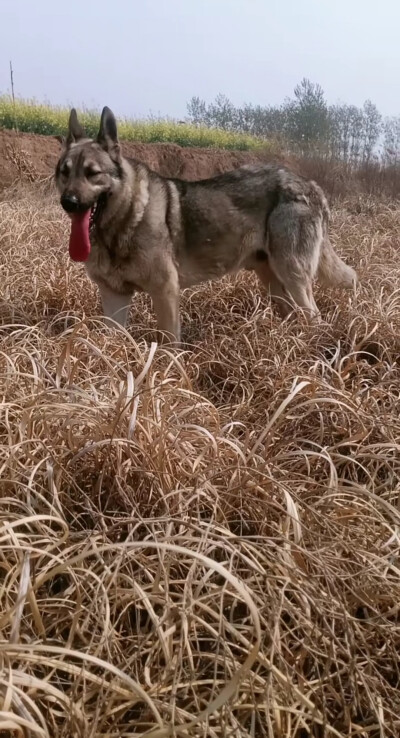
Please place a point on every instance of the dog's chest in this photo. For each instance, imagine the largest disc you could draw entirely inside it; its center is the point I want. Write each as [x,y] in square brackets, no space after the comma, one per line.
[120,274]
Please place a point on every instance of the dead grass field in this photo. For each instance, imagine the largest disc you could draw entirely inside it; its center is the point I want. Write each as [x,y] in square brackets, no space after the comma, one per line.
[204,542]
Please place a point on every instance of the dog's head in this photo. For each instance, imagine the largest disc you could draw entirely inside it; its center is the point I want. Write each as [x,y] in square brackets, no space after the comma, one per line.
[87,174]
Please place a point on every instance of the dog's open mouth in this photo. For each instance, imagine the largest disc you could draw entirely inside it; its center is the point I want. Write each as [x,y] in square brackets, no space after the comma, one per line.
[81,226]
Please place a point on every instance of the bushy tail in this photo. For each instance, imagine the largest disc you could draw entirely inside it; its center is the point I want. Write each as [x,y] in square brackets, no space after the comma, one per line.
[332,271]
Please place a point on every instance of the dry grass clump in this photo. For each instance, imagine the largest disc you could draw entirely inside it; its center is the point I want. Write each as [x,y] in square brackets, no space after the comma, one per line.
[203,542]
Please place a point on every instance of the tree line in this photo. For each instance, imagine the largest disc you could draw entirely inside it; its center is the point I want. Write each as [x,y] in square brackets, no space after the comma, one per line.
[308,125]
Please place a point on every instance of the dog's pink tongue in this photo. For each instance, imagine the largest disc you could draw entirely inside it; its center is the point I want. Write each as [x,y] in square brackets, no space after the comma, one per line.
[79,241]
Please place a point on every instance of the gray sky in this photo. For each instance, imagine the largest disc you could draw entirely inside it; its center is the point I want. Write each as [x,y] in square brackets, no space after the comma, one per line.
[141,56]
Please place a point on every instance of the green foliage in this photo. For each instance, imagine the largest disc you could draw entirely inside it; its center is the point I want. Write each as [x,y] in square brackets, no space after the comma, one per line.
[30,116]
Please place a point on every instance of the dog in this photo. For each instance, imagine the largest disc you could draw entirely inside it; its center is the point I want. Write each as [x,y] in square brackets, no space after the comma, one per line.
[138,231]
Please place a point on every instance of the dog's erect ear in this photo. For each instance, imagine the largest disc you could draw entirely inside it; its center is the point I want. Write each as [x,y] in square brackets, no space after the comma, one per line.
[108,127]
[60,139]
[75,130]
[108,135]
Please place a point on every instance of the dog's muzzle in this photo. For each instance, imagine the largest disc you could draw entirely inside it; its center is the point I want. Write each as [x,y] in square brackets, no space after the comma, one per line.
[71,204]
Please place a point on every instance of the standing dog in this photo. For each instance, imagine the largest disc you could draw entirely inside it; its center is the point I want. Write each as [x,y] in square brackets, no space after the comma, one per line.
[139,231]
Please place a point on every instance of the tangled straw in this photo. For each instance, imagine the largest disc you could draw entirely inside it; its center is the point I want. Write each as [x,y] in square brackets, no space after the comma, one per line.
[201,542]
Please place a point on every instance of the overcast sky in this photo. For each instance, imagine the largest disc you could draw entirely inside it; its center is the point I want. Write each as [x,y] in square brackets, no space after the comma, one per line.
[142,56]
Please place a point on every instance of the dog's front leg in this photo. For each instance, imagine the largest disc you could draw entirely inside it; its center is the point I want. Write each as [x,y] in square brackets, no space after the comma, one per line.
[115,306]
[165,299]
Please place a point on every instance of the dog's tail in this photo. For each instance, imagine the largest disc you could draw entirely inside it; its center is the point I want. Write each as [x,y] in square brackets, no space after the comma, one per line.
[332,271]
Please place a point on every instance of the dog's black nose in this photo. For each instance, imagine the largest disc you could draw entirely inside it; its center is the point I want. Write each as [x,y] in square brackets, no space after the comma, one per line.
[70,203]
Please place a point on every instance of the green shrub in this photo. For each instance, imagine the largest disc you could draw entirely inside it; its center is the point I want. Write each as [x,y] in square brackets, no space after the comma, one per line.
[30,116]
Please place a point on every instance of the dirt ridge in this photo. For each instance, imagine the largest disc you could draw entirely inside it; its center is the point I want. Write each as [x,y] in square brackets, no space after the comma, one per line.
[33,156]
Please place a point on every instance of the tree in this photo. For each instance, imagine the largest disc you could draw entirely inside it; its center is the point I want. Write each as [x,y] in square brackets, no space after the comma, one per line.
[347,132]
[222,113]
[197,110]
[372,130]
[307,116]
[305,121]
[391,141]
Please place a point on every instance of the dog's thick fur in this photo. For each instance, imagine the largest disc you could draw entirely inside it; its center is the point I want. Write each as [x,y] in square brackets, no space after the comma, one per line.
[160,235]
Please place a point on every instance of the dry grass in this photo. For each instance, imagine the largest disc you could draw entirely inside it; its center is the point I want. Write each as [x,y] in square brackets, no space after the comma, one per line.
[204,542]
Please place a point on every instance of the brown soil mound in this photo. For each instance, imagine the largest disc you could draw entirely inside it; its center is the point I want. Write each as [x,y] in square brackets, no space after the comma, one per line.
[32,157]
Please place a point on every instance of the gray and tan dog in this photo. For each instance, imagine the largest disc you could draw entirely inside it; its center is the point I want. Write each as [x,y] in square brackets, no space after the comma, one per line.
[139,231]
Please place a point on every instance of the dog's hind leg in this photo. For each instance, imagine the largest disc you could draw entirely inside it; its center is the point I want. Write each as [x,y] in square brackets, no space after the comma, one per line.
[294,243]
[278,295]
[115,306]
[165,297]
[299,286]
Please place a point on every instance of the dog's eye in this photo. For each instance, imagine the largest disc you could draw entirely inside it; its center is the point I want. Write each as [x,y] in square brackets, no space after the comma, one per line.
[65,170]
[92,172]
